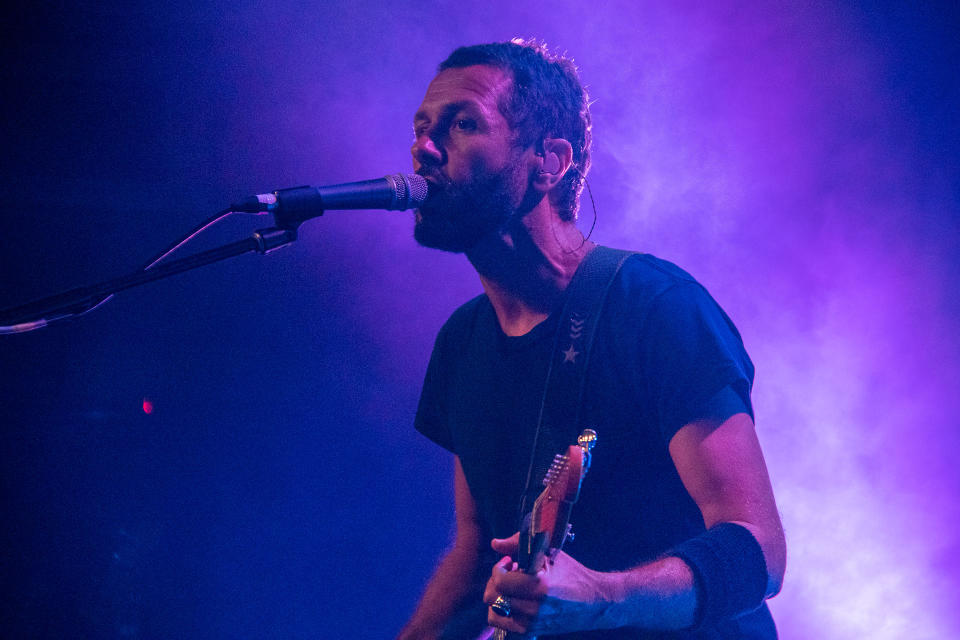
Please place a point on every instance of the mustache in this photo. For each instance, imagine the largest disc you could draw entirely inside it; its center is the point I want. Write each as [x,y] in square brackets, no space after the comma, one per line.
[436,178]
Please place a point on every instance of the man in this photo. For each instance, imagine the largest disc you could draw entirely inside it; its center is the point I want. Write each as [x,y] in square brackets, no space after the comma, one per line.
[678,535]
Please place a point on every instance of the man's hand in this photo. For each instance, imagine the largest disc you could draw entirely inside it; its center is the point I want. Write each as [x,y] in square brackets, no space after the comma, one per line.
[563,596]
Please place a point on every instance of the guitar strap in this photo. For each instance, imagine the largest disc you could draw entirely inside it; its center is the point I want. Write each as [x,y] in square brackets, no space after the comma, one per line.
[558,423]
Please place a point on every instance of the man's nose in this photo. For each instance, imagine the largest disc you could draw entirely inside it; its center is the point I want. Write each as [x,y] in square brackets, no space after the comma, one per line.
[425,151]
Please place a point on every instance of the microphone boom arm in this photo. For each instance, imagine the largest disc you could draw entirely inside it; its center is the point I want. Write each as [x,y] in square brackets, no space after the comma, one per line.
[289,207]
[74,302]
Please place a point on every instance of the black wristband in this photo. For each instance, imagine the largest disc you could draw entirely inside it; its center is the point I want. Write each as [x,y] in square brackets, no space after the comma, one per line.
[729,572]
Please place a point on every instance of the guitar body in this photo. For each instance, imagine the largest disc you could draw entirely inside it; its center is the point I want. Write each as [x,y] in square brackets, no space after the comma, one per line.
[547,527]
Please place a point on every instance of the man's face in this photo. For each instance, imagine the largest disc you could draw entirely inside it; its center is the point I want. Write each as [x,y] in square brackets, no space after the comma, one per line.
[466,149]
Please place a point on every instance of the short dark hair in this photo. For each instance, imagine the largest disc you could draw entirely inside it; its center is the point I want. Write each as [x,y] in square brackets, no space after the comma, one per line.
[547,101]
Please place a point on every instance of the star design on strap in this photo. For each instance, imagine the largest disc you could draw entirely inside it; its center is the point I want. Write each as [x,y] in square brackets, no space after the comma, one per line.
[570,355]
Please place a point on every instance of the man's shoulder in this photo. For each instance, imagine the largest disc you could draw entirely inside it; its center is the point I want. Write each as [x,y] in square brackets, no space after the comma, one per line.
[644,276]
[647,265]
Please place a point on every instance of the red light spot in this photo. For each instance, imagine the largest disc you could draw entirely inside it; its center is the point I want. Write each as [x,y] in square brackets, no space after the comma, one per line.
[147,406]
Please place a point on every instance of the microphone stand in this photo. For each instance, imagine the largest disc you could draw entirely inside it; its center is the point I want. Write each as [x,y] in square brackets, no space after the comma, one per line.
[39,313]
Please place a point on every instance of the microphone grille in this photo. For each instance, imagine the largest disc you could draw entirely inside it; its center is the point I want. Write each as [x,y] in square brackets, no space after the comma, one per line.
[410,190]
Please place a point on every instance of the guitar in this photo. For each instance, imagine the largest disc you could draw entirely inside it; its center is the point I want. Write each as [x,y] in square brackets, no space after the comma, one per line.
[547,527]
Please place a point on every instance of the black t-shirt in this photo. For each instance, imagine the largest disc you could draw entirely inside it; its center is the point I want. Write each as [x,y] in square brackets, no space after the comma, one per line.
[665,354]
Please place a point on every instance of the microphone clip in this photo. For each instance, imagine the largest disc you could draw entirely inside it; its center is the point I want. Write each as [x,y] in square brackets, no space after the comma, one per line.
[291,207]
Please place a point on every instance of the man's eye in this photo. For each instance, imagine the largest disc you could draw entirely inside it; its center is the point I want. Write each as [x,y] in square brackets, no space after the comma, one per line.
[464,124]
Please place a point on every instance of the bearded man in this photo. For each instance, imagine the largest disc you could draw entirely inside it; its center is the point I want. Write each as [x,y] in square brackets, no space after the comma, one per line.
[678,532]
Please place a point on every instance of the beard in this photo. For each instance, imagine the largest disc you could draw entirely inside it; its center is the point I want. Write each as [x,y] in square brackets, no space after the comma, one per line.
[456,217]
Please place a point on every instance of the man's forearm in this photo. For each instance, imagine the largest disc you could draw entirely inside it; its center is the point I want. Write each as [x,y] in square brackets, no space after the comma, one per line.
[705,580]
[658,595]
[448,587]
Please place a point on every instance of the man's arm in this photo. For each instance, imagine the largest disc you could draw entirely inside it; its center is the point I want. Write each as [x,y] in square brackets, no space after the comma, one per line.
[723,470]
[451,582]
[722,467]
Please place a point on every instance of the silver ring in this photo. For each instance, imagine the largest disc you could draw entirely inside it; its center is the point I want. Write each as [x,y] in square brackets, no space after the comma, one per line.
[501,607]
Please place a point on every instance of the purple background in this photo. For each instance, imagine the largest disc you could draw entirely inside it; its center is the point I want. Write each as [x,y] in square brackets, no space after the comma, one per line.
[802,162]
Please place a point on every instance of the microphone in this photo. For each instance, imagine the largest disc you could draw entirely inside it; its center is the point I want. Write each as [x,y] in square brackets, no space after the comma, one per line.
[290,207]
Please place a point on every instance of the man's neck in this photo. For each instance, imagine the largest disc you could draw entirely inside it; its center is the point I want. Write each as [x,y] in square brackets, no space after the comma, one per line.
[526,269]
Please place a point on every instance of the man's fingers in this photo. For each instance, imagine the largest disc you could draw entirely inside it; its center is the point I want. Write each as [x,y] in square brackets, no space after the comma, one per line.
[517,584]
[507,546]
[515,625]
[524,592]
[514,585]
[518,604]
[507,581]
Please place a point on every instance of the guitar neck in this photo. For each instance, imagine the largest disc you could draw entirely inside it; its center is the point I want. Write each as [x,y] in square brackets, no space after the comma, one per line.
[546,527]
[533,549]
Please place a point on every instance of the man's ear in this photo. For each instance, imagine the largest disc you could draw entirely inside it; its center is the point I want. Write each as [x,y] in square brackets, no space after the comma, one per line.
[555,161]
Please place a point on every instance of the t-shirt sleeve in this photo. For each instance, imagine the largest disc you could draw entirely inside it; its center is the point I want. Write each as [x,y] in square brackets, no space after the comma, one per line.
[693,360]
[431,419]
